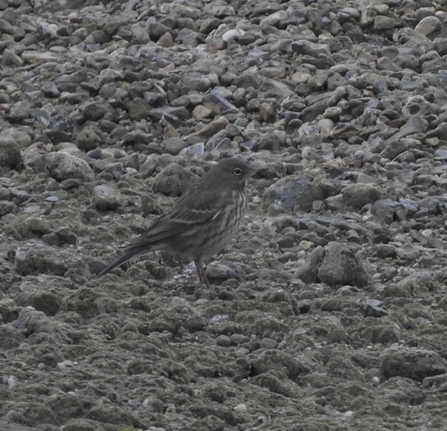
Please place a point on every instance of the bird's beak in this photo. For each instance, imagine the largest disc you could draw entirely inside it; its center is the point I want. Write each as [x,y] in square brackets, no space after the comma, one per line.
[252,171]
[256,170]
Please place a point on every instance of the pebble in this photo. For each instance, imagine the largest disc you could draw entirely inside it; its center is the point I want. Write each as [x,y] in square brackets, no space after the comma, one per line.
[292,193]
[62,166]
[105,198]
[173,180]
[411,362]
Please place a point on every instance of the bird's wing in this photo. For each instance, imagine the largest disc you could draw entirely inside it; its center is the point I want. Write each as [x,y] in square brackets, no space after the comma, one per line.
[185,214]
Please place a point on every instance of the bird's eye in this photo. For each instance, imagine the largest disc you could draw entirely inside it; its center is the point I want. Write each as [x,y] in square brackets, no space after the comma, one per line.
[237,171]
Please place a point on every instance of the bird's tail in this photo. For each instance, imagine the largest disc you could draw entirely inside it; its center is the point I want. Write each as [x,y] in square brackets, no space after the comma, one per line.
[134,251]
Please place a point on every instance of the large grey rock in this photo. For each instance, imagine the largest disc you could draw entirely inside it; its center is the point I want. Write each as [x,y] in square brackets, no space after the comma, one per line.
[62,166]
[291,194]
[336,265]
[173,180]
[411,362]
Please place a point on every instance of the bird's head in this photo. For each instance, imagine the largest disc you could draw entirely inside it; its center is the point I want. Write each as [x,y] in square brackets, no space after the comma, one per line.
[233,171]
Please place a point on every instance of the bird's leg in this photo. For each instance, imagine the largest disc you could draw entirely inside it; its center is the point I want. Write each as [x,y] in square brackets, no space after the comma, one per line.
[205,278]
[201,272]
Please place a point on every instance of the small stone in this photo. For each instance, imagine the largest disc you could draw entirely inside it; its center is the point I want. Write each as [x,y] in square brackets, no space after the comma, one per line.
[15,136]
[233,34]
[292,193]
[49,89]
[39,298]
[174,145]
[6,207]
[173,180]
[358,195]
[411,362]
[106,198]
[219,272]
[38,225]
[10,156]
[62,166]
[372,308]
[340,265]
[139,109]
[440,45]
[408,252]
[208,131]
[34,258]
[240,408]
[166,40]
[11,59]
[88,138]
[200,112]
[428,25]
[94,111]
[384,251]
[384,23]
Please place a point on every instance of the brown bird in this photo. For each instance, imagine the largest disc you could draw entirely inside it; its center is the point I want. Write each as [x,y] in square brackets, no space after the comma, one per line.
[203,220]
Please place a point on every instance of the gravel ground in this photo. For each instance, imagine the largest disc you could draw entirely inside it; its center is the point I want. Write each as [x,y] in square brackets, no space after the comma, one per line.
[327,312]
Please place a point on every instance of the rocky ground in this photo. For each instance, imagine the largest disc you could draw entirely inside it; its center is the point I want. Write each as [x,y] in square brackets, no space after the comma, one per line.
[328,311]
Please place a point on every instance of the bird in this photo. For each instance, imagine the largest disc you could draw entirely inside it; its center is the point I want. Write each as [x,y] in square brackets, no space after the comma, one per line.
[203,220]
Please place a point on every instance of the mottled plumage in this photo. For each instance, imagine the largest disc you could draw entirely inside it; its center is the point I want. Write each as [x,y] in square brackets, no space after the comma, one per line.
[202,221]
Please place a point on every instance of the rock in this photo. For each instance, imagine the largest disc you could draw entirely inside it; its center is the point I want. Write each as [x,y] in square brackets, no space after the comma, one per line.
[94,111]
[408,252]
[358,195]
[385,250]
[49,89]
[62,166]
[335,265]
[218,272]
[291,194]
[173,180]
[340,265]
[218,104]
[6,207]
[88,138]
[10,157]
[428,25]
[419,107]
[66,236]
[385,210]
[15,136]
[197,83]
[414,125]
[38,225]
[35,258]
[200,112]
[39,298]
[411,362]
[11,59]
[372,308]
[207,131]
[157,30]
[394,148]
[106,198]
[195,150]
[305,47]
[275,88]
[174,145]
[440,45]
[139,109]
[10,337]
[270,142]
[384,23]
